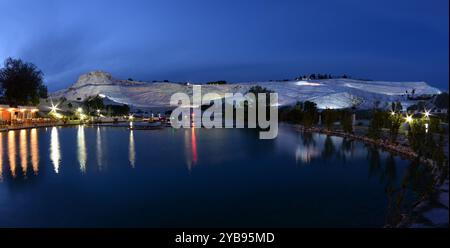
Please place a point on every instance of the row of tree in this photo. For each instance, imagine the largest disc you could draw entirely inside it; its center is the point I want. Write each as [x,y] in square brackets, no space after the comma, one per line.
[95,103]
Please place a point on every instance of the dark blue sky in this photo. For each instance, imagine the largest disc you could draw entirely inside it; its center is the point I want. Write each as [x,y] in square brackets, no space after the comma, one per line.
[405,40]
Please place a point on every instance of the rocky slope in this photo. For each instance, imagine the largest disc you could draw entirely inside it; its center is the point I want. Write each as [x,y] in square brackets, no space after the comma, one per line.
[330,93]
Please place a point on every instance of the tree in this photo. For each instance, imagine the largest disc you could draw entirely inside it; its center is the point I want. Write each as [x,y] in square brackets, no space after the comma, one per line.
[43,91]
[329,117]
[435,125]
[396,106]
[395,121]
[441,100]
[420,140]
[118,110]
[22,82]
[376,124]
[347,121]
[420,106]
[310,114]
[94,103]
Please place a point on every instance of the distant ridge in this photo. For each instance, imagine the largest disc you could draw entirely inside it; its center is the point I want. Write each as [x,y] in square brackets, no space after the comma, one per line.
[326,93]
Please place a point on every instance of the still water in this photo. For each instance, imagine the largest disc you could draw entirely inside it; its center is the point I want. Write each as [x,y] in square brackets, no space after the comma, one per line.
[113,177]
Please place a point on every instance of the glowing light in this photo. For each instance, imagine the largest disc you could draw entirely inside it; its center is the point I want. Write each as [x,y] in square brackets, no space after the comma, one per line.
[54,107]
[392,113]
[427,113]
[57,115]
[306,83]
[409,119]
[79,110]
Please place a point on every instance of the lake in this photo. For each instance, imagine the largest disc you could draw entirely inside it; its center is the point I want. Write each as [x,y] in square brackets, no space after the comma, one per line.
[85,176]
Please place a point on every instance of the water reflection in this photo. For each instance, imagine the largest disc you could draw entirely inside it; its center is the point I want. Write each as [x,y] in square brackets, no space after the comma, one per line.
[23,151]
[190,144]
[373,156]
[347,150]
[34,146]
[81,144]
[132,150]
[194,146]
[389,184]
[99,149]
[306,153]
[1,157]
[55,152]
[328,149]
[12,152]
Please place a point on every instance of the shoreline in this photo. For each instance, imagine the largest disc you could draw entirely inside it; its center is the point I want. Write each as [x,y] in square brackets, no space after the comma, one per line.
[17,128]
[403,151]
[433,205]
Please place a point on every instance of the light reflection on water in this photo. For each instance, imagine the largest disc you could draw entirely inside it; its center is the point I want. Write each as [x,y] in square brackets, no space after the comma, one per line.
[81,144]
[1,157]
[55,152]
[12,152]
[34,147]
[208,163]
[131,150]
[99,149]
[23,152]
[190,147]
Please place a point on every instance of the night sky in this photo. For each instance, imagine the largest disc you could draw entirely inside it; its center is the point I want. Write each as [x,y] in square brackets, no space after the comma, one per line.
[190,40]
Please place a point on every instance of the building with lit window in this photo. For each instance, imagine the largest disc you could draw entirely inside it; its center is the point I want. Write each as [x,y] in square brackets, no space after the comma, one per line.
[18,114]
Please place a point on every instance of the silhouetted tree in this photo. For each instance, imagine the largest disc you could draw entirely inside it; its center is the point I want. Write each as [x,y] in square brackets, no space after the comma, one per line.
[22,82]
[376,124]
[441,100]
[328,118]
[94,103]
[395,121]
[347,121]
[310,114]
